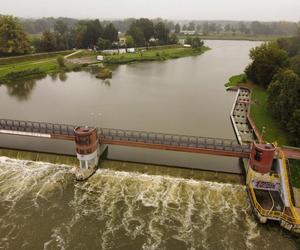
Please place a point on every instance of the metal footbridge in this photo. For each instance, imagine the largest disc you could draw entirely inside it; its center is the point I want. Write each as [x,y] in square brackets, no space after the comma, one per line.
[130,138]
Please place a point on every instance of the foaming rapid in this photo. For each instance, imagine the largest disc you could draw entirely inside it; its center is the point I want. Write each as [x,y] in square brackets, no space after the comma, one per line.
[42,207]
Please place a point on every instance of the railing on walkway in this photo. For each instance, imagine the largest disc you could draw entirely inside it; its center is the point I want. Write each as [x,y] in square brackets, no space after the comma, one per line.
[188,141]
[37,127]
[270,213]
[185,143]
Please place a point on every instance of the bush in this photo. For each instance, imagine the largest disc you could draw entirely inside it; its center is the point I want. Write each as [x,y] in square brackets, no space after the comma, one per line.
[61,61]
[104,73]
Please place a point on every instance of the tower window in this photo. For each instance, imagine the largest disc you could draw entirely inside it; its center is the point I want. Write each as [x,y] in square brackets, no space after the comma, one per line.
[258,155]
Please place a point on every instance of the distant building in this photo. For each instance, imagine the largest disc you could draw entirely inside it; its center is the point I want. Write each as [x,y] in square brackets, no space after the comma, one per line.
[181,41]
[100,58]
[110,51]
[188,32]
[153,40]
[122,51]
[122,41]
[131,50]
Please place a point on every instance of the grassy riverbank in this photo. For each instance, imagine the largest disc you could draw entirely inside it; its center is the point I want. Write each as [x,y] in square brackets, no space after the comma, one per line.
[25,67]
[295,172]
[14,68]
[259,111]
[154,55]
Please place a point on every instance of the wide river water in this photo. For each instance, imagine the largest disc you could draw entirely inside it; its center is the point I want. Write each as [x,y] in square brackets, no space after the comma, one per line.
[126,205]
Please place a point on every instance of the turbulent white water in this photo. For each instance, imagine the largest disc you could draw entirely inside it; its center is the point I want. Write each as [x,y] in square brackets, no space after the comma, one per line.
[42,207]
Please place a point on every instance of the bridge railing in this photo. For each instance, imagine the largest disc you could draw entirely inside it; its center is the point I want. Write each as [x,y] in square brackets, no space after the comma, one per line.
[109,134]
[37,127]
[171,139]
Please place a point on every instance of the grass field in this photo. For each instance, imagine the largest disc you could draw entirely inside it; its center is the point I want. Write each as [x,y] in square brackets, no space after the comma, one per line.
[46,63]
[295,172]
[260,112]
[154,55]
[263,118]
[234,81]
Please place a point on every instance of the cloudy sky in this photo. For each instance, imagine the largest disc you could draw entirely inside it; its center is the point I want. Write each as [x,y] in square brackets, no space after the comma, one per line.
[264,10]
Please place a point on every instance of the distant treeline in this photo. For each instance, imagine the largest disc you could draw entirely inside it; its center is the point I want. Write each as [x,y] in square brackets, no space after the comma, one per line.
[68,34]
[36,26]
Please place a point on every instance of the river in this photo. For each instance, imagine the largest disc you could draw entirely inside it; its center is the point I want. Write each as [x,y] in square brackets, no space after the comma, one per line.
[126,205]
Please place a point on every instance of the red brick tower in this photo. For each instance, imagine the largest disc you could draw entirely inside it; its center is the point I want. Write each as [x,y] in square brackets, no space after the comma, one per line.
[261,157]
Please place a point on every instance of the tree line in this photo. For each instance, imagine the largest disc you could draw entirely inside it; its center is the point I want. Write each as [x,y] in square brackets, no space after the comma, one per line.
[276,67]
[248,28]
[83,34]
[37,26]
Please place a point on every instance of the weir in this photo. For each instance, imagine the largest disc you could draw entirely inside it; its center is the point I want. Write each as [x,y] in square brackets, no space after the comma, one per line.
[92,142]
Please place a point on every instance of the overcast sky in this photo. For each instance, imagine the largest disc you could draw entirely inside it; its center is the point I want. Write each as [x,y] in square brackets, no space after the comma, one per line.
[263,10]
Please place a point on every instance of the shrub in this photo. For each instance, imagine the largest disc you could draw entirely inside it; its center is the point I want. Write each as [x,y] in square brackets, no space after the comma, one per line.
[104,73]
[61,61]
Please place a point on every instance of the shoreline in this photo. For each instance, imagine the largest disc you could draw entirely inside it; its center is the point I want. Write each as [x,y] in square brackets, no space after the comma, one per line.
[18,69]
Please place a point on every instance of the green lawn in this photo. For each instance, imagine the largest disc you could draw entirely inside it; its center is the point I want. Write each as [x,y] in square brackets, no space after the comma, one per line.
[154,55]
[295,172]
[46,63]
[262,117]
[235,80]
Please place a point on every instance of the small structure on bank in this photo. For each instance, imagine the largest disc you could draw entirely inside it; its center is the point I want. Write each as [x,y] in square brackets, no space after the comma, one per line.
[87,150]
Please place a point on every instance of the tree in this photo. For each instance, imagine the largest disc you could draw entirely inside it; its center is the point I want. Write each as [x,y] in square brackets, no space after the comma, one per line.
[227,27]
[206,28]
[191,26]
[146,27]
[284,95]
[295,64]
[173,39]
[63,37]
[137,35]
[267,60]
[129,41]
[197,43]
[161,33]
[188,40]
[294,128]
[242,27]
[13,39]
[110,33]
[198,27]
[61,27]
[103,44]
[48,41]
[61,61]
[177,28]
[91,31]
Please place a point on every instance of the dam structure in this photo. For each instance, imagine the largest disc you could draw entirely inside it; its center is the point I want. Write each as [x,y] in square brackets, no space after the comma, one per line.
[267,180]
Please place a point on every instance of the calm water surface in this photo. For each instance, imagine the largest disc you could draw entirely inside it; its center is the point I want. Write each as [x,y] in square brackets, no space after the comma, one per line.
[182,96]
[122,207]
